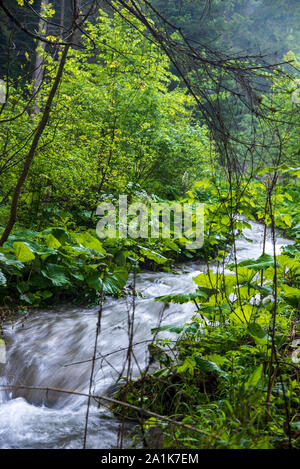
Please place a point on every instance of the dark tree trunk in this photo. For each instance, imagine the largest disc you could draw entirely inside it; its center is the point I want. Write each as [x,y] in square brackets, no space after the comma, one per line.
[38,73]
[39,131]
[62,18]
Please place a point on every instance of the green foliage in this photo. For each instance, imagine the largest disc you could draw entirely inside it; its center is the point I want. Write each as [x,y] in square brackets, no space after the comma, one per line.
[122,123]
[42,267]
[181,298]
[214,377]
[120,114]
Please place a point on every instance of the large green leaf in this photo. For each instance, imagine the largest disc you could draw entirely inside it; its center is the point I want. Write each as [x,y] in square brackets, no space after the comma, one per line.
[265,290]
[59,233]
[94,281]
[254,378]
[52,242]
[23,252]
[11,262]
[112,283]
[189,328]
[208,366]
[35,247]
[76,273]
[56,273]
[38,281]
[90,242]
[241,314]
[169,328]
[291,295]
[209,284]
[180,298]
[152,255]
[263,262]
[256,330]
[115,281]
[188,365]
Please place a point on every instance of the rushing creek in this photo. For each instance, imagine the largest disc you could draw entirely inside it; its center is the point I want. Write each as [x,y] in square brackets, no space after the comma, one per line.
[39,348]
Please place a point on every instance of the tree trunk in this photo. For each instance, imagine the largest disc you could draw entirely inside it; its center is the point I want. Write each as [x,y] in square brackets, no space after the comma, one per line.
[62,18]
[38,73]
[39,131]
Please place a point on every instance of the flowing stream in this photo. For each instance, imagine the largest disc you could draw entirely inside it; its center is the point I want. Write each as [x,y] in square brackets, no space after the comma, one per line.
[44,350]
